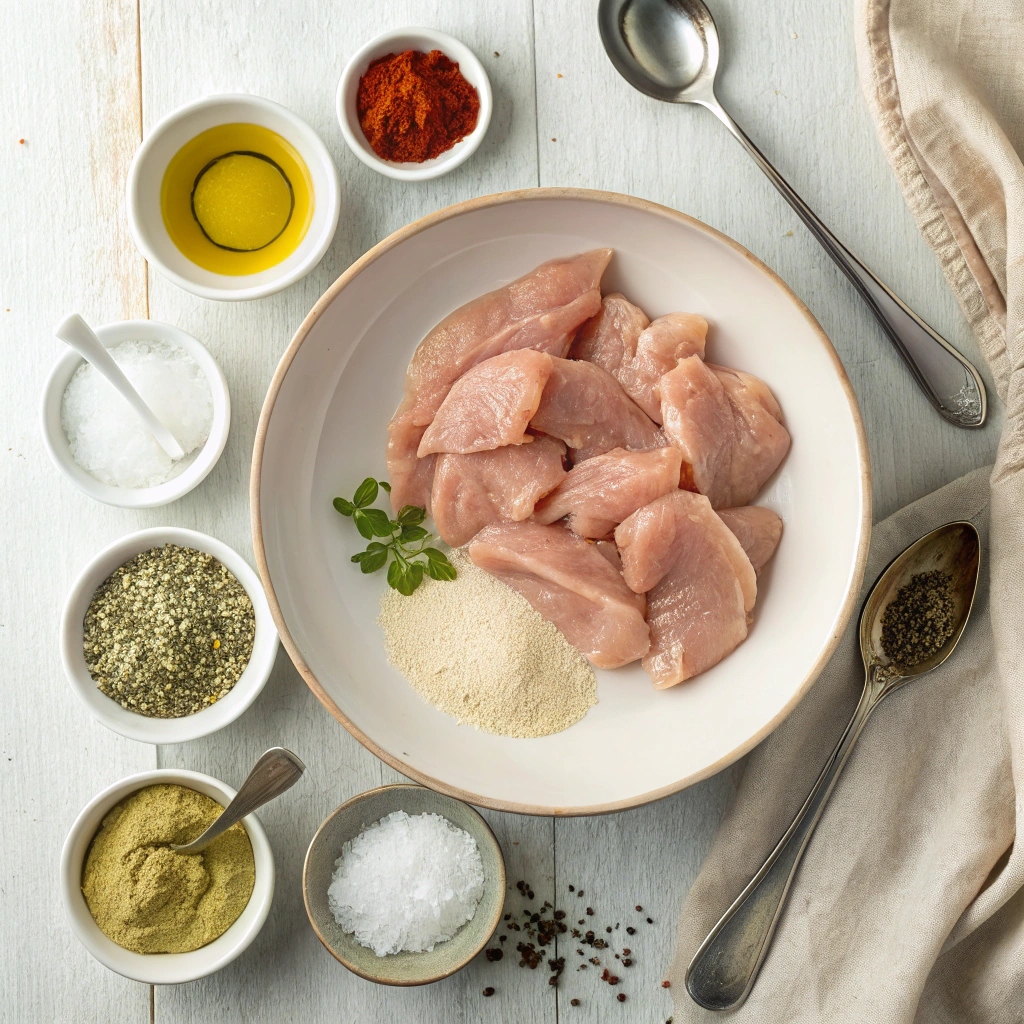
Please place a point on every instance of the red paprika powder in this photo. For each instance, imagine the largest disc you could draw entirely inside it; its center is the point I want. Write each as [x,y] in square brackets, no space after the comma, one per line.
[414,106]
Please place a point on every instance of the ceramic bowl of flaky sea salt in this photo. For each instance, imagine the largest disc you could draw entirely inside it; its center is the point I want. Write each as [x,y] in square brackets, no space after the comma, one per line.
[101,445]
[404,886]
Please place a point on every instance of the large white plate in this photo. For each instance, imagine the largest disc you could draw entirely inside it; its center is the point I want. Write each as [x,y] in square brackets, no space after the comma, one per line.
[323,429]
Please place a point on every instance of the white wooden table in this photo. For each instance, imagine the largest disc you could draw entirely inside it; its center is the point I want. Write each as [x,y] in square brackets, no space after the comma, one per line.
[81,83]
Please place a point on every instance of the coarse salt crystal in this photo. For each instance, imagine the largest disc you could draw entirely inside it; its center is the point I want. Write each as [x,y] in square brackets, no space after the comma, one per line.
[107,438]
[406,883]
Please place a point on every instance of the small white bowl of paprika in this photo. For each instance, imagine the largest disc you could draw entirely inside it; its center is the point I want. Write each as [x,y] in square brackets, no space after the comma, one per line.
[163,968]
[415,154]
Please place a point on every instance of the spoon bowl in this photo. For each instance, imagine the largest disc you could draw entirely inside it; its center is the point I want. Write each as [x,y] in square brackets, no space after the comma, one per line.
[724,969]
[954,549]
[669,49]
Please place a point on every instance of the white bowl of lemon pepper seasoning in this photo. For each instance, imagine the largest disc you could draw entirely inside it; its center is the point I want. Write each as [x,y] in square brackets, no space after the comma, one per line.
[163,968]
[95,439]
[166,636]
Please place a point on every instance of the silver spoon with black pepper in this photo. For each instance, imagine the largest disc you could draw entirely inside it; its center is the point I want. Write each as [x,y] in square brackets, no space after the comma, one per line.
[911,621]
[277,770]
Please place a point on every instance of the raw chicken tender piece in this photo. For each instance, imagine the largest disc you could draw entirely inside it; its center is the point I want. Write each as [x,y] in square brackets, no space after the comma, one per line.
[571,584]
[727,425]
[472,491]
[700,584]
[636,351]
[490,405]
[600,492]
[610,338]
[540,310]
[586,407]
[659,349]
[757,529]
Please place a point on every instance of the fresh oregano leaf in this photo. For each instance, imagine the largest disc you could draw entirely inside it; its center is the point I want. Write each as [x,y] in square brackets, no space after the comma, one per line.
[373,560]
[366,493]
[378,520]
[412,515]
[438,570]
[385,485]
[346,508]
[363,524]
[411,534]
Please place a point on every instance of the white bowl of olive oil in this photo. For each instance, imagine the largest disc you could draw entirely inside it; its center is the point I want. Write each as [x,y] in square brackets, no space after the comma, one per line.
[233,197]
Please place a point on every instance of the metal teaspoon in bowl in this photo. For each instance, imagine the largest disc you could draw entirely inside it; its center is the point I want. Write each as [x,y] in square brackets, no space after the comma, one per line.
[277,770]
[668,49]
[724,969]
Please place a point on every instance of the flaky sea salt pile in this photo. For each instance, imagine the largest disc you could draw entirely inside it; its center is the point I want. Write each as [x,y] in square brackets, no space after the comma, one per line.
[107,438]
[406,883]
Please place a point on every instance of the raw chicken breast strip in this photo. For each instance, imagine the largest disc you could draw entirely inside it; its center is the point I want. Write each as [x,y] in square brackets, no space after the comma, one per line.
[757,529]
[610,338]
[490,405]
[540,310]
[636,351]
[726,424]
[600,492]
[571,584]
[586,407]
[700,584]
[472,491]
[658,349]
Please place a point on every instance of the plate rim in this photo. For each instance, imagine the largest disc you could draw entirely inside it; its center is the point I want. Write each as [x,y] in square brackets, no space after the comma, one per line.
[256,518]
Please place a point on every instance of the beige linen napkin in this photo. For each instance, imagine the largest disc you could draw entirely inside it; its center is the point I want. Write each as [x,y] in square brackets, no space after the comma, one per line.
[909,904]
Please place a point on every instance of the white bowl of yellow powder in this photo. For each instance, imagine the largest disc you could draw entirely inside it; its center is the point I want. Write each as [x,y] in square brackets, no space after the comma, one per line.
[162,968]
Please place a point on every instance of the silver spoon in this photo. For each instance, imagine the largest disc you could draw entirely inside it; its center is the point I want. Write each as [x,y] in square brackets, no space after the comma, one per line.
[668,49]
[277,770]
[77,334]
[723,970]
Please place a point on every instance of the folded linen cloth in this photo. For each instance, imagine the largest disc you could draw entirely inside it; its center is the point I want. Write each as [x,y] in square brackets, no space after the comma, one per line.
[909,903]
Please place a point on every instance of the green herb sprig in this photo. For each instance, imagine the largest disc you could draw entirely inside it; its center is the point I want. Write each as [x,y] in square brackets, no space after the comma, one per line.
[403,540]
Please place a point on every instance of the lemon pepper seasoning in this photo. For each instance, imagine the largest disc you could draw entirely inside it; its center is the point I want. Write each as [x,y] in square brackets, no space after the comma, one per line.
[149,898]
[169,632]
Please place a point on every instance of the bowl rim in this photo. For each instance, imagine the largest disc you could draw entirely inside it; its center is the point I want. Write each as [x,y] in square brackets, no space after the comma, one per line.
[56,443]
[165,730]
[255,510]
[495,917]
[124,961]
[452,48]
[313,147]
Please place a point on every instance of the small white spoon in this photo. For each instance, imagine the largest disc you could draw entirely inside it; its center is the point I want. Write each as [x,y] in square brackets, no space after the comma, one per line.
[77,334]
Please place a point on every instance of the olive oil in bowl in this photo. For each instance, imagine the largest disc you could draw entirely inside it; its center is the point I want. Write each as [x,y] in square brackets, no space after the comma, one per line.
[237,199]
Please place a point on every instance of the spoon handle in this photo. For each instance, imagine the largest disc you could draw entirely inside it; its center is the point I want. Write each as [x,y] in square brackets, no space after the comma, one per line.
[277,770]
[724,969]
[77,334]
[950,381]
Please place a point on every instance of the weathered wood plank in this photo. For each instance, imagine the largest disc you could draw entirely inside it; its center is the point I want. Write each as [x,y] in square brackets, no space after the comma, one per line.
[294,54]
[70,86]
[788,75]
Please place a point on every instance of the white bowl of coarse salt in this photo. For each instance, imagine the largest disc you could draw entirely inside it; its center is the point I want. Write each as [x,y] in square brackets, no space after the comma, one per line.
[96,440]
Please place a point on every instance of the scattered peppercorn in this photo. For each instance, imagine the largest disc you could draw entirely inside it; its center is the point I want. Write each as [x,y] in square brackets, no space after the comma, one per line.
[650,920]
[919,619]
[502,938]
[494,954]
[631,930]
[621,997]
[574,1002]
[488,991]
[590,911]
[572,888]
[638,908]
[666,983]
